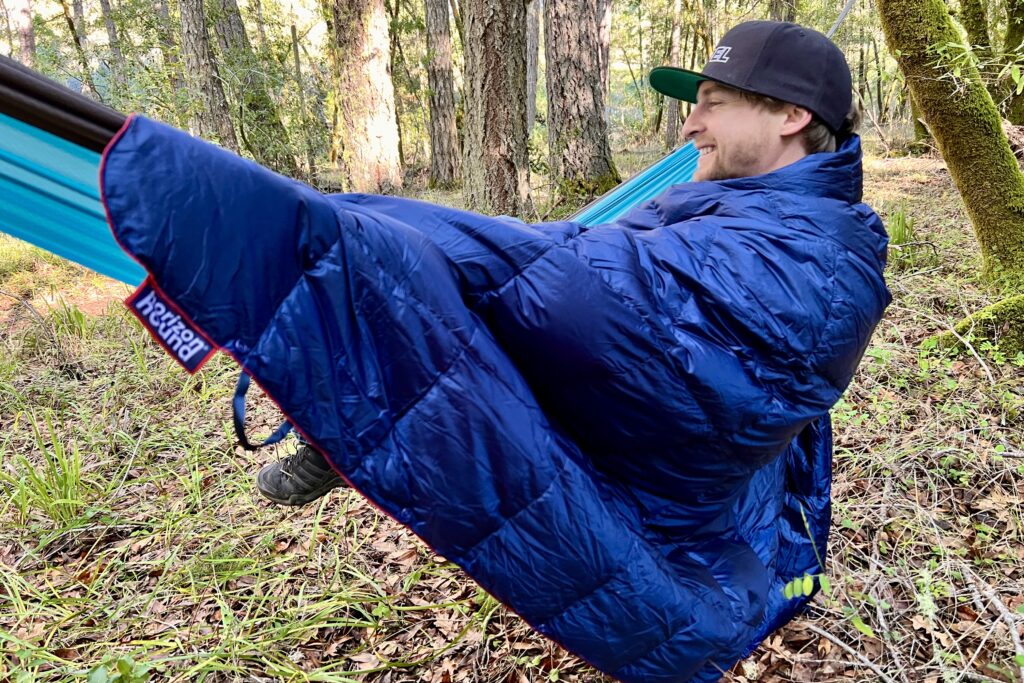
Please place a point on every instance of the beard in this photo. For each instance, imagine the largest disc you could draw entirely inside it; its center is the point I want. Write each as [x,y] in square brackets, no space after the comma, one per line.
[736,160]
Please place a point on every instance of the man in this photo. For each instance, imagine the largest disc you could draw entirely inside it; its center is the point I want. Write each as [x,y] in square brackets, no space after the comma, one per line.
[621,431]
[755,112]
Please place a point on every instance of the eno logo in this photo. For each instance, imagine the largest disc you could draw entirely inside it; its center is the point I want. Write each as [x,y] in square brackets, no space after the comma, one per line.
[721,54]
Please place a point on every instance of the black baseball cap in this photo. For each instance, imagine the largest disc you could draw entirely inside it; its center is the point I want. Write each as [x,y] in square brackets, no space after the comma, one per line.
[786,61]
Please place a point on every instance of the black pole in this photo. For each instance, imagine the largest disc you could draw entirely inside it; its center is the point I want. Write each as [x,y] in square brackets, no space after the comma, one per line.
[36,100]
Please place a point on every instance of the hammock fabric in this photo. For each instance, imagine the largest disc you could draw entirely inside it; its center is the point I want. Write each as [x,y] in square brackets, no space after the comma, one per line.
[621,432]
[50,140]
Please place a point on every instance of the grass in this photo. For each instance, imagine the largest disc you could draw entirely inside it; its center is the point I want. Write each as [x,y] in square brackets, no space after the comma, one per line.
[133,546]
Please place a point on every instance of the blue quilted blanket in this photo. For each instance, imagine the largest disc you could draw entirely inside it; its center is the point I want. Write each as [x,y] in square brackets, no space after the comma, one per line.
[621,431]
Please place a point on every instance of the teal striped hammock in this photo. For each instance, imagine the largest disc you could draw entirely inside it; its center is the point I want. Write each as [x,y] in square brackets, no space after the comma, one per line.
[49,187]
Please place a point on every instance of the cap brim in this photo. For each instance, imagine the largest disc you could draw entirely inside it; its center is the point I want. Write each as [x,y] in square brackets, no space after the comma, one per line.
[681,84]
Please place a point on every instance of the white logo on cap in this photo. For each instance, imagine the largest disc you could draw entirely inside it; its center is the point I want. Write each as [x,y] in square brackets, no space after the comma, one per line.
[721,54]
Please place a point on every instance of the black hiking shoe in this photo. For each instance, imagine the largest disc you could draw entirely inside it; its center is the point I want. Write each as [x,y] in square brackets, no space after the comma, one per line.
[298,479]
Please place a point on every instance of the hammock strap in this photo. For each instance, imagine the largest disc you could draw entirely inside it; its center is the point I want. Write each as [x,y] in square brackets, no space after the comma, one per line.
[238,410]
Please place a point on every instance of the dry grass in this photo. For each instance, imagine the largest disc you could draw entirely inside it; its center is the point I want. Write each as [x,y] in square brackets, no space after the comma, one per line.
[129,527]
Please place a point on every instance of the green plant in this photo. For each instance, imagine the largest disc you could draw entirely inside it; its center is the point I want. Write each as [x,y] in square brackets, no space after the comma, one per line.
[54,485]
[906,250]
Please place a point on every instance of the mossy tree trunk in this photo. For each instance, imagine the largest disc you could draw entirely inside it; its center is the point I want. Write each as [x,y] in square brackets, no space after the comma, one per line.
[1013,45]
[580,157]
[496,171]
[966,125]
[972,17]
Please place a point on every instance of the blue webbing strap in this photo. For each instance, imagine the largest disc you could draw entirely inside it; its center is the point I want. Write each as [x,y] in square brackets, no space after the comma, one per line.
[238,410]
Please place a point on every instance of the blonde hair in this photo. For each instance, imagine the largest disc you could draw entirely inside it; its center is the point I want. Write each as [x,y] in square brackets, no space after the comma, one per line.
[817,137]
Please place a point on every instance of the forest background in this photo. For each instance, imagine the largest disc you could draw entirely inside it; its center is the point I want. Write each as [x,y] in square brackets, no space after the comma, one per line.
[132,544]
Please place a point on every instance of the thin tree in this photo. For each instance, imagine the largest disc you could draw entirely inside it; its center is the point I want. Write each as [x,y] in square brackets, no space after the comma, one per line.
[445,163]
[1013,45]
[114,45]
[365,141]
[459,25]
[26,32]
[260,127]
[782,10]
[972,17]
[604,40]
[533,14]
[672,124]
[966,125]
[79,41]
[8,32]
[580,157]
[210,117]
[495,163]
[169,50]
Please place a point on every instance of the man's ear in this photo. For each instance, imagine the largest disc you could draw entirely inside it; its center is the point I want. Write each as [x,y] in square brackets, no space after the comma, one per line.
[797,118]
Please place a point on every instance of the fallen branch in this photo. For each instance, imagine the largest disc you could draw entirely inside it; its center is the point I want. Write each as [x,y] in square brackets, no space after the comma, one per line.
[1012,622]
[864,661]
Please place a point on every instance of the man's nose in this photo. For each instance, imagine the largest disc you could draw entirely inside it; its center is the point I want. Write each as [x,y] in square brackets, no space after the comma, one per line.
[692,125]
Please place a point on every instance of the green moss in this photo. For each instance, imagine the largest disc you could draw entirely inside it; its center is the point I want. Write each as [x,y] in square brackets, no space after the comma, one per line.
[1001,323]
[962,117]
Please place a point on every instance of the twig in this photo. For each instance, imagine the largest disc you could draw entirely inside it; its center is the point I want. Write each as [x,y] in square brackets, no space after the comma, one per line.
[33,311]
[131,460]
[853,653]
[1007,617]
[960,338]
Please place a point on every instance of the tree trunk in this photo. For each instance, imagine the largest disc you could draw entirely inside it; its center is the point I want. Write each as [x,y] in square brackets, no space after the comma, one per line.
[394,8]
[8,32]
[261,24]
[365,145]
[862,70]
[169,50]
[967,127]
[580,157]
[303,110]
[604,40]
[210,116]
[972,17]
[114,44]
[78,12]
[878,83]
[444,137]
[533,14]
[78,40]
[26,32]
[261,130]
[459,25]
[782,10]
[1014,45]
[496,169]
[672,124]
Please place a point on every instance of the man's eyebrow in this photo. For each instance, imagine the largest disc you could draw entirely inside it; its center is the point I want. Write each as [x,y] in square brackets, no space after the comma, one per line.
[714,89]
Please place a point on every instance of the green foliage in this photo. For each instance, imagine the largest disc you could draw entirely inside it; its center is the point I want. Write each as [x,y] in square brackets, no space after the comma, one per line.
[122,670]
[52,486]
[906,250]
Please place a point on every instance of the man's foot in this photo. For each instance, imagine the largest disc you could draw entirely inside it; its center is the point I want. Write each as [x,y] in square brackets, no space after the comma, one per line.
[298,479]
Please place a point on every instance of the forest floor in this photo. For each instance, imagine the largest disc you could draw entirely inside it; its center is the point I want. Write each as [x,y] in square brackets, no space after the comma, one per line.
[133,544]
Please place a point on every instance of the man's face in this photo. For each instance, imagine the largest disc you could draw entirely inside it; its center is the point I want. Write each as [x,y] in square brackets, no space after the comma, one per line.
[735,137]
